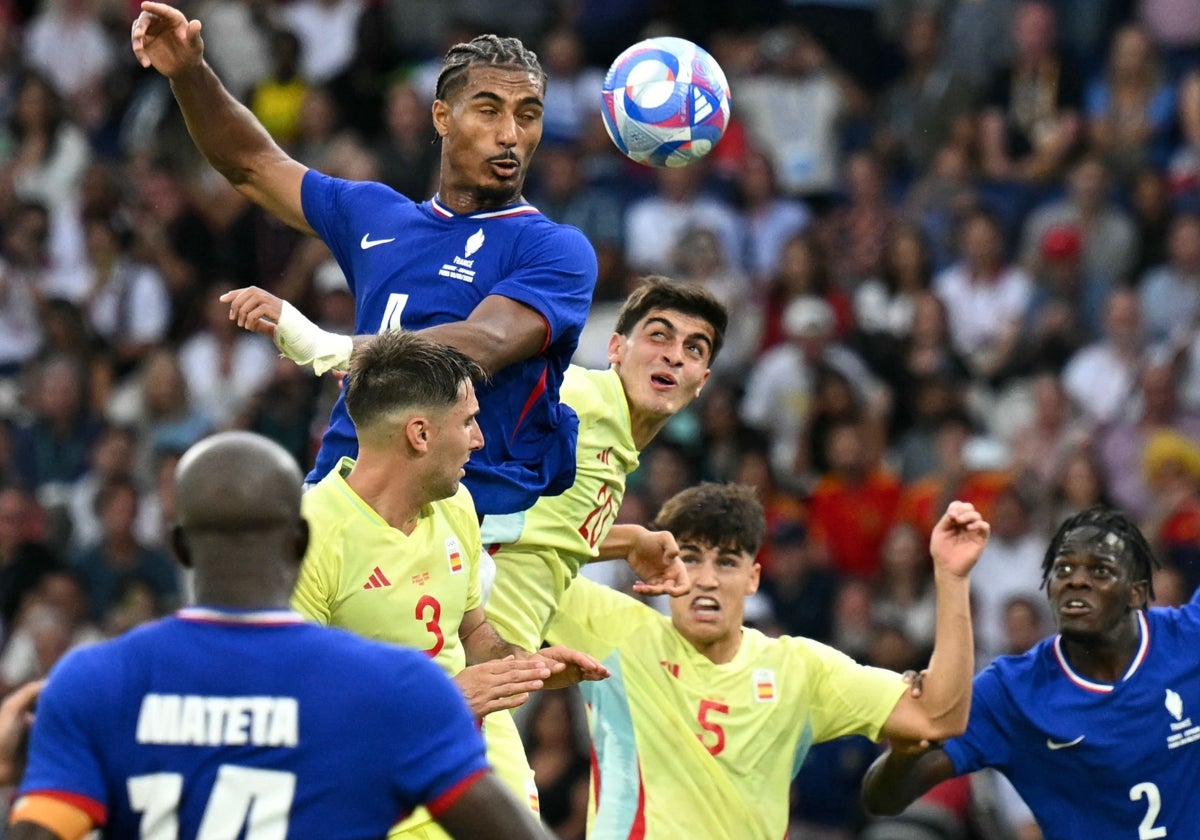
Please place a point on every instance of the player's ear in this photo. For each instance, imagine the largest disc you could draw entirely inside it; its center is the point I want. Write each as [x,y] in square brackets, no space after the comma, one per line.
[417,431]
[616,348]
[1139,595]
[700,387]
[755,579]
[179,545]
[441,117]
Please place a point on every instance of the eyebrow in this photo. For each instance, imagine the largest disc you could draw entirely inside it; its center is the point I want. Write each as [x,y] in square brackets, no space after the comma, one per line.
[698,336]
[499,100]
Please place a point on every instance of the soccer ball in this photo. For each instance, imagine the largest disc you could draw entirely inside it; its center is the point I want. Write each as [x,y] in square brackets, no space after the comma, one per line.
[665,102]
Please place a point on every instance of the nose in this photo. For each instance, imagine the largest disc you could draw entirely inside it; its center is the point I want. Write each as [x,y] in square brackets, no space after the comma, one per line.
[477,438]
[703,576]
[506,130]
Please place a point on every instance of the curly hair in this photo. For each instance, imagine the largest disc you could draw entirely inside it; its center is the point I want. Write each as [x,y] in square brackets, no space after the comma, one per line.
[1139,557]
[490,50]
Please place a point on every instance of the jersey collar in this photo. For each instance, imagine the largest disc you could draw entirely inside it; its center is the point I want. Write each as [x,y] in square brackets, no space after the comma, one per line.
[1104,688]
[521,209]
[224,615]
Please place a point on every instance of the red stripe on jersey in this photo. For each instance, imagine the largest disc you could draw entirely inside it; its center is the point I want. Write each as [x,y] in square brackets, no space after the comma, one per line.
[443,803]
[595,777]
[96,811]
[545,343]
[382,579]
[534,396]
[637,831]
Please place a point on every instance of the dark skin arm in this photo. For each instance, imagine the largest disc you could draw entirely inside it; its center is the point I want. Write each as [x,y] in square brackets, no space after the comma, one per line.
[30,831]
[497,333]
[228,135]
[903,774]
[488,811]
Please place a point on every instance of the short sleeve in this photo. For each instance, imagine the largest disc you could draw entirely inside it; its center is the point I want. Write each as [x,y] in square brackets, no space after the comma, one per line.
[846,698]
[64,747]
[316,586]
[985,742]
[555,275]
[596,619]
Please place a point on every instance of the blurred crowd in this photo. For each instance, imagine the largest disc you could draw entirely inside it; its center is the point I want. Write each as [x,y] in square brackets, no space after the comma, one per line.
[960,240]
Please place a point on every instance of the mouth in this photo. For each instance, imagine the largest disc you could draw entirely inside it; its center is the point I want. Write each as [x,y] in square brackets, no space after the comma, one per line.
[1074,607]
[663,381]
[705,608]
[505,167]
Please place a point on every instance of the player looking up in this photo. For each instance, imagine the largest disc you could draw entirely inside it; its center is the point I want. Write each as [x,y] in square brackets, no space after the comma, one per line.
[666,337]
[704,722]
[474,266]
[235,718]
[1093,726]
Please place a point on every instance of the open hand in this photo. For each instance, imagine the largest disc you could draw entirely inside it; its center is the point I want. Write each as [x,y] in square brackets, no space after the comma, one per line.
[501,683]
[655,559]
[570,666]
[254,309]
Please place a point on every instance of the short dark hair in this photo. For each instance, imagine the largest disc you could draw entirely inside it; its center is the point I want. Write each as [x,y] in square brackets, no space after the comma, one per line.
[491,50]
[657,292]
[397,369]
[723,515]
[1140,557]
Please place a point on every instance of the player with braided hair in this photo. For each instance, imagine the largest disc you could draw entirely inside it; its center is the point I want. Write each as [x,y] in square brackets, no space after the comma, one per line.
[475,266]
[1096,726]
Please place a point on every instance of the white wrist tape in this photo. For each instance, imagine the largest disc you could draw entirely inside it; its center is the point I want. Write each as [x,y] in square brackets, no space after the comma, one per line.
[305,343]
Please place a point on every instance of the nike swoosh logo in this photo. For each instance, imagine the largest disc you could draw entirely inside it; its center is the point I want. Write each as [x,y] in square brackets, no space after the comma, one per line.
[368,242]
[1055,745]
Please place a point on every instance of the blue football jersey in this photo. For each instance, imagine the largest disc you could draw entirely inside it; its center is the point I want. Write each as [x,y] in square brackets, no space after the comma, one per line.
[1094,760]
[250,724]
[414,266]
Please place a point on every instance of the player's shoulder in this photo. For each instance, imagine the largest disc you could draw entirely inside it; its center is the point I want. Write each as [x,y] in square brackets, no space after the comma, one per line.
[590,391]
[364,191]
[459,510]
[540,236]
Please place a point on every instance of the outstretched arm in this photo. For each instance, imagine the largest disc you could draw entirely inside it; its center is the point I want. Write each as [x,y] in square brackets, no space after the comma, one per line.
[496,334]
[944,703]
[224,130]
[903,774]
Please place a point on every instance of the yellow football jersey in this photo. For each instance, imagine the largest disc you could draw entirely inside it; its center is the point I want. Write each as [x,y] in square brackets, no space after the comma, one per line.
[560,533]
[362,574]
[685,747]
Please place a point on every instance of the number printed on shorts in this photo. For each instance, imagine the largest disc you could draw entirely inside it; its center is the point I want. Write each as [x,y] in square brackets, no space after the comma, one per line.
[429,610]
[1147,830]
[707,709]
[250,798]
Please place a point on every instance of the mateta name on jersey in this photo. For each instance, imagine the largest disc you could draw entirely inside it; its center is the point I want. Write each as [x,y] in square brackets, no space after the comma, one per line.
[198,721]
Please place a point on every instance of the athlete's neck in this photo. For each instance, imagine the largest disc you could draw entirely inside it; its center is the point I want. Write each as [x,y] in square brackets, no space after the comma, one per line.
[720,651]
[389,490]
[1104,658]
[466,201]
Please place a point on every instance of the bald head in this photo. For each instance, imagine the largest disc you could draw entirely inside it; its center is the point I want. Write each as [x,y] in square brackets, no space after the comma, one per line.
[234,481]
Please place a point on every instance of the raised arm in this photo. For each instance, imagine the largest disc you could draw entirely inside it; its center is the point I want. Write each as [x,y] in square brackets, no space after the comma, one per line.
[944,703]
[225,131]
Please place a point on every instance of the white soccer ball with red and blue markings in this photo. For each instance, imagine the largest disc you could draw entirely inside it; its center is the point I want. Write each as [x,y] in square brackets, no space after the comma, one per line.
[665,102]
